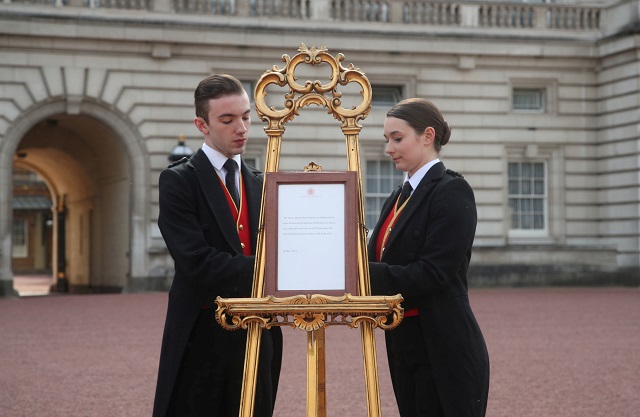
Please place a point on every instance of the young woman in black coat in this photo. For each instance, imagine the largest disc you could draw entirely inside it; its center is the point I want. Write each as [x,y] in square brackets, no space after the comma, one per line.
[421,248]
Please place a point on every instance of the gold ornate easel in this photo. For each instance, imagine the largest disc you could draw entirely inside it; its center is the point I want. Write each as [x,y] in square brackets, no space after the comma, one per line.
[312,312]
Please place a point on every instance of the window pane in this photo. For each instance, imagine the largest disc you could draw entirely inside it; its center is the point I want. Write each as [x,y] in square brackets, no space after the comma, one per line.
[372,206]
[514,187]
[538,170]
[19,239]
[382,178]
[251,161]
[19,232]
[249,88]
[370,203]
[538,221]
[514,221]
[386,95]
[527,179]
[372,185]
[514,170]
[372,167]
[537,205]
[513,204]
[538,187]
[528,99]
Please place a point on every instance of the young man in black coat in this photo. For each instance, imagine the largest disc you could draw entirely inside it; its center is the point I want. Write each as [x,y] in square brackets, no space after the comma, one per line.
[209,213]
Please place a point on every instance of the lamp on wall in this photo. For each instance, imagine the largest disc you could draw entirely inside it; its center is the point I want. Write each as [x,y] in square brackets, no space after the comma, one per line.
[181,150]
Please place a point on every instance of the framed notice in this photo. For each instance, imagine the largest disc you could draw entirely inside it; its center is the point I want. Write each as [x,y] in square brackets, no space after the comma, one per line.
[311,233]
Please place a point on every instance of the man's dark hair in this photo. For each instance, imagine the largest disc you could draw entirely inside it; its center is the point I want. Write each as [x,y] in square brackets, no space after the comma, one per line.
[214,86]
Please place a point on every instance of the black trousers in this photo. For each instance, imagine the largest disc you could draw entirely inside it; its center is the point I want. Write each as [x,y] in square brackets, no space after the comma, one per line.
[209,382]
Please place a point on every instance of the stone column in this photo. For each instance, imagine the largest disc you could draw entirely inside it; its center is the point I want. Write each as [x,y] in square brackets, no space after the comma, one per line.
[163,6]
[243,8]
[469,15]
[303,9]
[540,18]
[395,12]
[321,10]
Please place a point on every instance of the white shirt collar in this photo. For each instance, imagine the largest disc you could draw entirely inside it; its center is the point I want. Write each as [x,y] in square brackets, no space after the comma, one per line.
[217,159]
[419,174]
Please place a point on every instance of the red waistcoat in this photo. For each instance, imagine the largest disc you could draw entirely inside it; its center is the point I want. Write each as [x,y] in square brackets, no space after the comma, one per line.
[241,217]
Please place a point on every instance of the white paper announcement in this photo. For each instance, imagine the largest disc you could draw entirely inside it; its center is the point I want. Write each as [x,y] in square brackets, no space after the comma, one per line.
[311,239]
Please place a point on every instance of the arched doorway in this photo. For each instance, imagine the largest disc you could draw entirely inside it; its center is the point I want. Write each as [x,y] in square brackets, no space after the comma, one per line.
[87,170]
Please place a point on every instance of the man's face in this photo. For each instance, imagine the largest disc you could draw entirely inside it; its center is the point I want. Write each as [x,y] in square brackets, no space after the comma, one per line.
[228,127]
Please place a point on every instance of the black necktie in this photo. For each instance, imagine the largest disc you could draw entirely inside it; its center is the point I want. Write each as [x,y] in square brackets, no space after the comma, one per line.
[231,166]
[404,193]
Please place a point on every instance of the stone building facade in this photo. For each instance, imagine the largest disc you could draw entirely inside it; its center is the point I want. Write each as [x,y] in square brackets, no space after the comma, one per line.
[543,98]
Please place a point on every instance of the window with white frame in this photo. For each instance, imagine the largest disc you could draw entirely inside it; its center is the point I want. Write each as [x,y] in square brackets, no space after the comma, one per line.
[19,238]
[528,99]
[382,178]
[528,196]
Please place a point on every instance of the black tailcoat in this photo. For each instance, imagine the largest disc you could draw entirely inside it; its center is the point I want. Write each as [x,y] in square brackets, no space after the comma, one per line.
[200,233]
[426,260]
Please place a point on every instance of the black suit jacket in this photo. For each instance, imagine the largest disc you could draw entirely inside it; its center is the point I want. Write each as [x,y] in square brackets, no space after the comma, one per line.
[200,233]
[426,260]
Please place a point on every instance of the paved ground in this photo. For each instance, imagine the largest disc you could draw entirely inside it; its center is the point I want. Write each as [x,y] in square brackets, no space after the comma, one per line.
[554,353]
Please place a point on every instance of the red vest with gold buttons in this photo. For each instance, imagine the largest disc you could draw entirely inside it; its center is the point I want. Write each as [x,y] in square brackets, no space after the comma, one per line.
[241,217]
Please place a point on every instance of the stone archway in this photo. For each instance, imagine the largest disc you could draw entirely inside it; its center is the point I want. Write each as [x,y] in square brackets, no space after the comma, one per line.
[93,164]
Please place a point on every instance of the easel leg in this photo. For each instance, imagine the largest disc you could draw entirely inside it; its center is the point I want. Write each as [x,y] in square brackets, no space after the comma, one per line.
[370,370]
[250,370]
[316,392]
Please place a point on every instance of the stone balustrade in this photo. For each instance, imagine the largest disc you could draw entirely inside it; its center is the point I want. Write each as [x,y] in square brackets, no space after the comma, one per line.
[498,14]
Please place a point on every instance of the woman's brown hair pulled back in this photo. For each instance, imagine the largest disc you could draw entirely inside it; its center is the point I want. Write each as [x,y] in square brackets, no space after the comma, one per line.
[420,113]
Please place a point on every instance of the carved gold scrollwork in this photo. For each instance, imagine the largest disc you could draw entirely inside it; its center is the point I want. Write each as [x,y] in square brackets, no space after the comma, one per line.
[312,92]
[313,167]
[310,312]
[308,321]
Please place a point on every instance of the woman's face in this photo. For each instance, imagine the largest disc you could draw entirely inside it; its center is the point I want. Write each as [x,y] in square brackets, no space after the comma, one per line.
[408,150]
